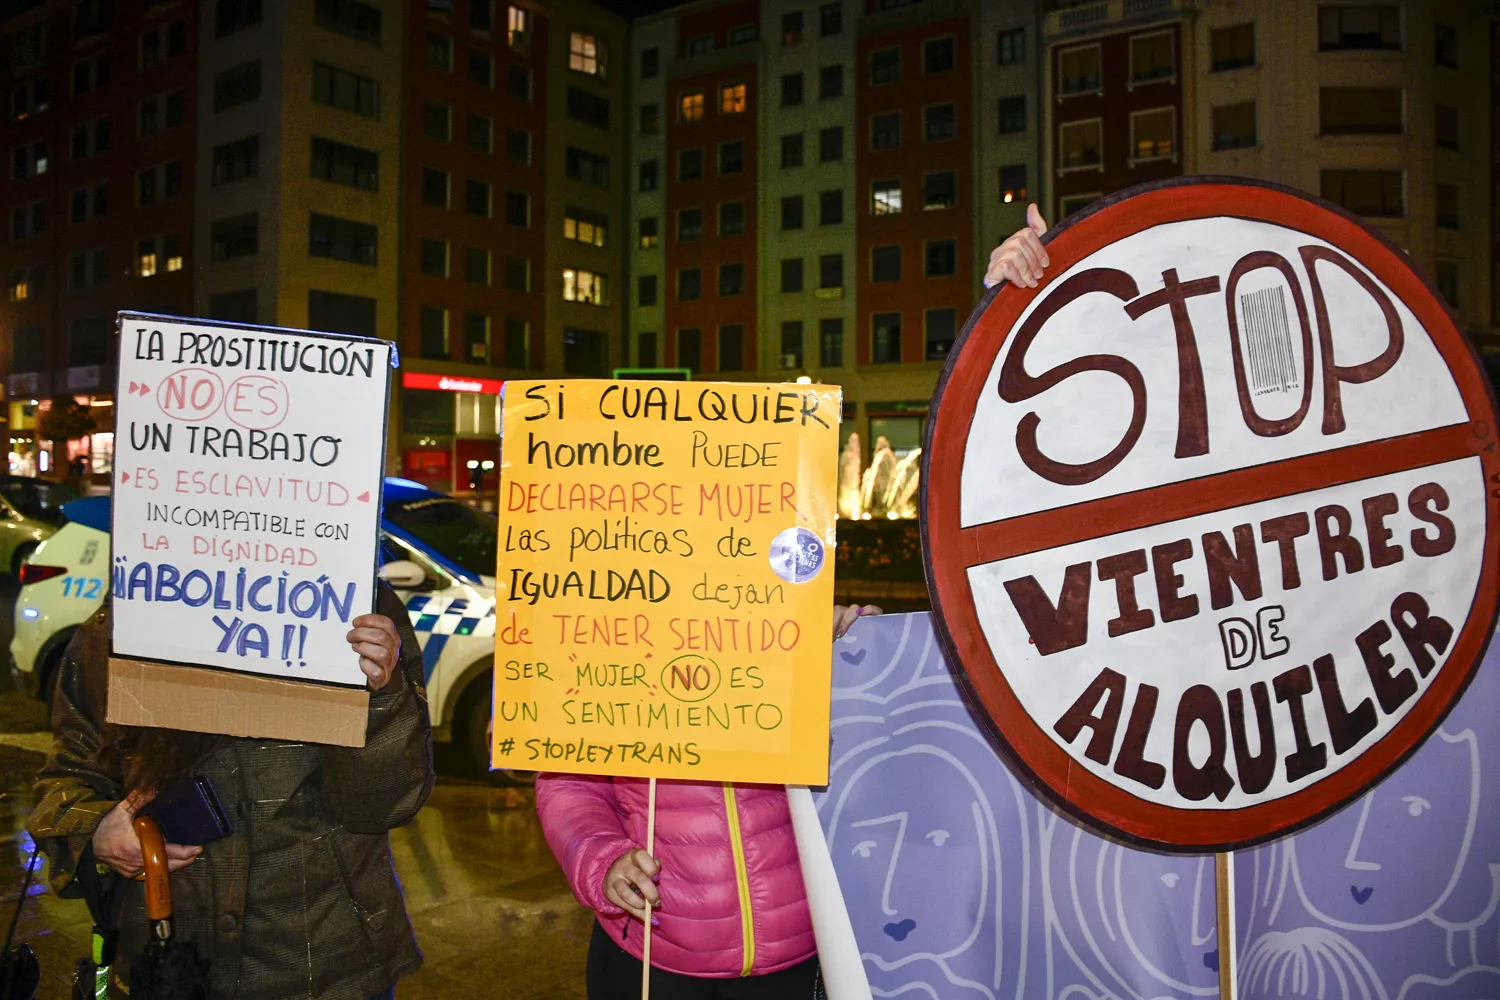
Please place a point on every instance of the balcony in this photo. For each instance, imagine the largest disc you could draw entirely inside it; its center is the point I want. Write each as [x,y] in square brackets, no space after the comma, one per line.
[1070,18]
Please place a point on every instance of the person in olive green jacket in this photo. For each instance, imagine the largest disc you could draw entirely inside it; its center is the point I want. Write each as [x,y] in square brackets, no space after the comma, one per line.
[301,901]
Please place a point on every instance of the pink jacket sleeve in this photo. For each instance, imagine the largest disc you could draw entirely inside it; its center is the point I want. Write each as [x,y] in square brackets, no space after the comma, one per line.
[584,831]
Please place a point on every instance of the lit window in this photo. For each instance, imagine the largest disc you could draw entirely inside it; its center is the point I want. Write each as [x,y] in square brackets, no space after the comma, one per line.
[885,197]
[1013,183]
[732,99]
[585,286]
[585,54]
[584,227]
[1151,134]
[690,107]
[518,29]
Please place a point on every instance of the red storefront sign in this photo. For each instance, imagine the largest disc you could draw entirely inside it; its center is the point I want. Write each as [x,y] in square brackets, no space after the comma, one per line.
[451,383]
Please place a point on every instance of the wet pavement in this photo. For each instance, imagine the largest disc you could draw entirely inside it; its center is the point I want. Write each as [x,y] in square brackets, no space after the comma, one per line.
[493,914]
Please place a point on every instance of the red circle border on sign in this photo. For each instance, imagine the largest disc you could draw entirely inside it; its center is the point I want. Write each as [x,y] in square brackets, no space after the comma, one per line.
[948,555]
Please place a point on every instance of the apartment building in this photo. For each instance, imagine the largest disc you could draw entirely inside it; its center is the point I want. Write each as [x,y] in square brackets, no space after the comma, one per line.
[1384,108]
[818,186]
[98,130]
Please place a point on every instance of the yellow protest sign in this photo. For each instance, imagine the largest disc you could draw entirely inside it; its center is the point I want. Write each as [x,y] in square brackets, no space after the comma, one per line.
[665,579]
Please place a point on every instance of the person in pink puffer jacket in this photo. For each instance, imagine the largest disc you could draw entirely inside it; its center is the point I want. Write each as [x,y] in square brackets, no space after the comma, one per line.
[730,913]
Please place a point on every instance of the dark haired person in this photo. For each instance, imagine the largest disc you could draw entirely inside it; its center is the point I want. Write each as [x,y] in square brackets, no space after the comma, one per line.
[301,900]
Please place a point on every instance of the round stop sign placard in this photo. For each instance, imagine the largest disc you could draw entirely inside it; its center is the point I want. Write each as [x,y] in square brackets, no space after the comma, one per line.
[1210,514]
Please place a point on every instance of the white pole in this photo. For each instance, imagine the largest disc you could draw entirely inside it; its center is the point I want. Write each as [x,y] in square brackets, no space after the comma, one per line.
[838,952]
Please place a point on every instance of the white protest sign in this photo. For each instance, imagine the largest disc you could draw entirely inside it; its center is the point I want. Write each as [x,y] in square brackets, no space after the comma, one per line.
[1211,515]
[248,467]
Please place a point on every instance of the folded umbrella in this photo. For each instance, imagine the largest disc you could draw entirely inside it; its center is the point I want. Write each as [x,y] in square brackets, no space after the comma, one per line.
[19,971]
[167,969]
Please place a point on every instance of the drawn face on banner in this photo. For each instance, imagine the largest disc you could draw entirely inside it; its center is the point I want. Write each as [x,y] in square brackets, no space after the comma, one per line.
[1208,513]
[1364,868]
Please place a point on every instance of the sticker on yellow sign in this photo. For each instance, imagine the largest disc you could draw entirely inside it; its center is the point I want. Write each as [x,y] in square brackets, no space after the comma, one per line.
[665,579]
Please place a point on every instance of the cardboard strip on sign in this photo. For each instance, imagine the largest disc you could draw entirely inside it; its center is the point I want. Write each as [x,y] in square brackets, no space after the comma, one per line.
[167,696]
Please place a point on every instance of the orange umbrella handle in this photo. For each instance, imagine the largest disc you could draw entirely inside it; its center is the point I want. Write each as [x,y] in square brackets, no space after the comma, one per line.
[154,854]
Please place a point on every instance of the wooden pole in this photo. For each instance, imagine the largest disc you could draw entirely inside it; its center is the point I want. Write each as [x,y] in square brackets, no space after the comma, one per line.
[1224,894]
[650,915]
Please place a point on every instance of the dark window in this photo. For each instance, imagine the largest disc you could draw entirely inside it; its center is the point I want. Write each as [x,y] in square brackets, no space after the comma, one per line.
[1078,69]
[732,348]
[586,167]
[1233,47]
[477,199]
[233,307]
[481,68]
[585,352]
[1013,183]
[831,270]
[791,28]
[731,157]
[482,15]
[689,224]
[336,312]
[1447,46]
[732,218]
[434,331]
[831,19]
[646,350]
[591,109]
[476,338]
[648,178]
[791,275]
[1013,114]
[942,328]
[1359,26]
[517,342]
[1360,110]
[831,207]
[791,212]
[885,66]
[791,344]
[88,340]
[232,15]
[791,150]
[831,144]
[831,343]
[518,209]
[350,17]
[1366,192]
[1153,57]
[885,263]
[1447,126]
[940,190]
[887,338]
[437,120]
[434,187]
[346,165]
[831,82]
[650,63]
[939,122]
[689,284]
[440,52]
[434,257]
[885,131]
[346,91]
[741,34]
[480,133]
[341,239]
[1011,46]
[689,164]
[1234,125]
[650,123]
[234,236]
[518,82]
[645,291]
[476,266]
[699,44]
[235,161]
[938,55]
[1447,206]
[518,145]
[731,279]
[791,90]
[942,258]
[517,274]
[690,349]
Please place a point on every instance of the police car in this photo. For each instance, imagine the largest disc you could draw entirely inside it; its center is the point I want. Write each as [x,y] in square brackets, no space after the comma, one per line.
[438,554]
